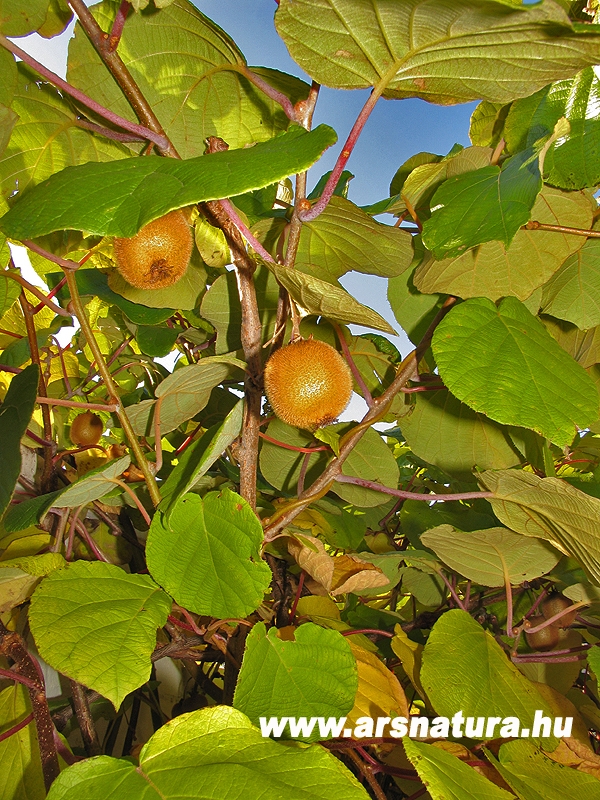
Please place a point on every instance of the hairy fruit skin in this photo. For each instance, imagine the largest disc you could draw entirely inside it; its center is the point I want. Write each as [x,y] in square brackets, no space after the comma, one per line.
[86,429]
[542,640]
[158,255]
[308,384]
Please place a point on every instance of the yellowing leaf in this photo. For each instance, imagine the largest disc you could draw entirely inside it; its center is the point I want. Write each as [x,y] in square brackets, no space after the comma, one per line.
[410,654]
[379,692]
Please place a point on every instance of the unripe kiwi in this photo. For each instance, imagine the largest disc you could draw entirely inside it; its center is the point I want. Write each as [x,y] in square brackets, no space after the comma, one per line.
[308,384]
[158,255]
[86,429]
[556,603]
[542,640]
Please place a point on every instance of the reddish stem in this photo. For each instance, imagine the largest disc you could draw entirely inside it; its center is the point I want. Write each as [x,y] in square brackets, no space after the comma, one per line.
[373,631]
[119,23]
[297,597]
[364,389]
[291,446]
[121,122]
[16,728]
[227,206]
[378,487]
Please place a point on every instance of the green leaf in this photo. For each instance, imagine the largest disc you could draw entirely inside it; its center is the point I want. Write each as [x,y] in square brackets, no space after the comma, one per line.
[573,161]
[447,777]
[322,298]
[443,431]
[181,395]
[314,675]
[16,587]
[119,197]
[494,270]
[8,84]
[487,123]
[583,346]
[488,204]
[487,557]
[207,555]
[345,238]
[199,457]
[189,71]
[94,485]
[9,292]
[372,460]
[46,138]
[40,565]
[533,776]
[465,669]
[15,414]
[29,512]
[58,17]
[503,363]
[413,310]
[156,340]
[477,49]
[551,509]
[183,294]
[281,466]
[205,754]
[94,282]
[18,18]
[573,293]
[97,625]
[23,778]
[211,243]
[221,307]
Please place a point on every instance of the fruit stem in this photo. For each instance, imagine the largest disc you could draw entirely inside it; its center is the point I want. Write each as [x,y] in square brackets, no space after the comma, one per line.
[112,389]
[364,389]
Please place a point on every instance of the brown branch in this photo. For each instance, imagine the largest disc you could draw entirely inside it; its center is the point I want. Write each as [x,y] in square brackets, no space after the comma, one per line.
[12,646]
[87,728]
[534,225]
[112,60]
[367,772]
[251,335]
[37,293]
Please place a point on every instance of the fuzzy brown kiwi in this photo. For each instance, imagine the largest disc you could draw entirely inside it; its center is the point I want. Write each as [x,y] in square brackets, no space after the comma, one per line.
[542,640]
[554,604]
[86,429]
[158,255]
[308,384]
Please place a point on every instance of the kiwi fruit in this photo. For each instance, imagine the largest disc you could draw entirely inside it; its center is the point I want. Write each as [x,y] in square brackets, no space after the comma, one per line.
[158,255]
[308,384]
[553,605]
[546,639]
[86,429]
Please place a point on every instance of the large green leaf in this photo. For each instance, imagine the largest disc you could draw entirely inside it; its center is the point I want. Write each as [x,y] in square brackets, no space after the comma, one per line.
[413,310]
[320,297]
[488,204]
[574,160]
[18,18]
[97,624]
[494,270]
[441,51]
[118,198]
[22,777]
[212,753]
[8,82]
[46,138]
[344,238]
[465,669]
[187,69]
[447,777]
[181,395]
[551,509]
[503,363]
[573,293]
[490,556]
[314,675]
[533,776]
[199,458]
[207,555]
[445,432]
[15,414]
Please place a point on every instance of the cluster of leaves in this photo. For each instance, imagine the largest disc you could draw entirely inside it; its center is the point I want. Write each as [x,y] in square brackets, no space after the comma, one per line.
[346,573]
